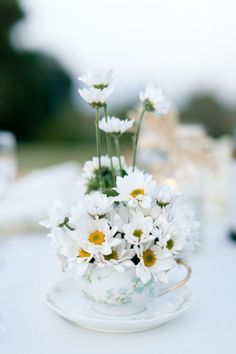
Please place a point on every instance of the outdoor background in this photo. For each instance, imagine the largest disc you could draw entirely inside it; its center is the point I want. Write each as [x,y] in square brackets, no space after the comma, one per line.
[186,47]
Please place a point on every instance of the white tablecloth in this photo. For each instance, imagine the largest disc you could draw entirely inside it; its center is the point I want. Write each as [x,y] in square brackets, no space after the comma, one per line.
[27,270]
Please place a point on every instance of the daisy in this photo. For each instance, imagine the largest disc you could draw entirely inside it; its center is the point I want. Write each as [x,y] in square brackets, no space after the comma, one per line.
[96,236]
[160,226]
[119,258]
[139,229]
[81,187]
[135,188]
[154,101]
[91,166]
[78,214]
[116,163]
[187,228]
[119,216]
[154,262]
[97,204]
[98,78]
[172,242]
[154,211]
[164,195]
[89,180]
[113,125]
[75,254]
[58,214]
[58,238]
[168,236]
[96,98]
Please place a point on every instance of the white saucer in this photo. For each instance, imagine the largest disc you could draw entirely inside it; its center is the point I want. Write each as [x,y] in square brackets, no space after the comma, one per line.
[65,299]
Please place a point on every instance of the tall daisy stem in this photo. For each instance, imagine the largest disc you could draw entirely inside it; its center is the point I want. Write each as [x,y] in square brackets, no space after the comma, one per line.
[98,142]
[117,143]
[136,139]
[108,138]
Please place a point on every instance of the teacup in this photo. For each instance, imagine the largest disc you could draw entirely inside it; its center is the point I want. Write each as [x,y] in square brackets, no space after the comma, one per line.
[122,293]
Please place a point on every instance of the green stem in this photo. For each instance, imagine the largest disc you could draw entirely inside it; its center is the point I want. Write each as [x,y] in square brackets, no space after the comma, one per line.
[118,151]
[137,138]
[98,142]
[65,223]
[69,227]
[109,148]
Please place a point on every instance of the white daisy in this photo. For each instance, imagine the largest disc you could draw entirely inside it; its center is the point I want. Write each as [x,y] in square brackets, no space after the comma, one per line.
[163,195]
[81,187]
[75,254]
[91,166]
[98,78]
[119,216]
[78,214]
[119,258]
[96,98]
[168,235]
[58,213]
[188,228]
[154,262]
[97,204]
[154,101]
[96,236]
[172,242]
[116,164]
[139,229]
[113,125]
[135,188]
[160,226]
[58,239]
[89,181]
[154,211]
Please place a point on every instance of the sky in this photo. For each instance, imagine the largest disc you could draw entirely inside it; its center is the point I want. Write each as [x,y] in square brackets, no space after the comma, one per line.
[182,46]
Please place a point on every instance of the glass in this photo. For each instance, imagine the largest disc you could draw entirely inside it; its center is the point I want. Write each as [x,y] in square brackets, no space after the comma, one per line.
[8,165]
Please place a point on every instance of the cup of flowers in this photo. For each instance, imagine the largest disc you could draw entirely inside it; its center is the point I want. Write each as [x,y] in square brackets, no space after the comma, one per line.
[127,231]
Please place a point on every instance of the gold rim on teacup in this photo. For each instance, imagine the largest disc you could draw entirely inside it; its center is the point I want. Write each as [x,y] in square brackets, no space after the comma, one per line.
[183,281]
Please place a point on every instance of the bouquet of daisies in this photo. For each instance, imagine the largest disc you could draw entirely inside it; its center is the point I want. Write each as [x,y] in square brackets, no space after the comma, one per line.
[123,218]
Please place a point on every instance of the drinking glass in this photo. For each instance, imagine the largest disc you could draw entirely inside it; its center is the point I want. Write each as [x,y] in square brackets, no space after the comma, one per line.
[8,163]
[8,167]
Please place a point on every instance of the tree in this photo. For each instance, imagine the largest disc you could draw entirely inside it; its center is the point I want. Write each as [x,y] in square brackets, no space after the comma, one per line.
[211,113]
[33,87]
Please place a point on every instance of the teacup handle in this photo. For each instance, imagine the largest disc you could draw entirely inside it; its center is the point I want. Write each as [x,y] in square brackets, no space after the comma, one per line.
[182,281]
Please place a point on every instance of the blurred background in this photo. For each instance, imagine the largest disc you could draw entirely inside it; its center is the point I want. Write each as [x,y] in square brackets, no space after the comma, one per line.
[47,132]
[45,45]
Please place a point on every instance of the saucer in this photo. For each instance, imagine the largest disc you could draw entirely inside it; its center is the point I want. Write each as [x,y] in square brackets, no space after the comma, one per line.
[66,300]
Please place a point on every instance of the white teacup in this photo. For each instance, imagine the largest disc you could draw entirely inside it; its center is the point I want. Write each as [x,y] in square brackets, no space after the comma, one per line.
[122,293]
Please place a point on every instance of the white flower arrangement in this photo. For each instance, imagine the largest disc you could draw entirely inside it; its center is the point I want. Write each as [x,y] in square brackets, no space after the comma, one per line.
[124,218]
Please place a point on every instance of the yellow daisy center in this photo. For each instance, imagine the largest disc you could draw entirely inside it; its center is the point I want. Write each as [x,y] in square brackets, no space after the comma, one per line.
[149,258]
[112,255]
[170,244]
[97,237]
[136,192]
[84,254]
[138,233]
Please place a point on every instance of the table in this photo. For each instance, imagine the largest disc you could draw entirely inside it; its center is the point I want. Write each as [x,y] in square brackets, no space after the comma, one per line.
[28,269]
